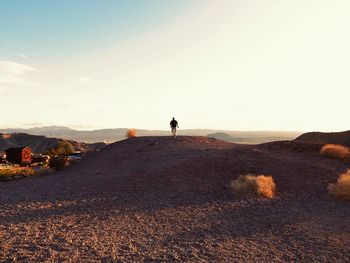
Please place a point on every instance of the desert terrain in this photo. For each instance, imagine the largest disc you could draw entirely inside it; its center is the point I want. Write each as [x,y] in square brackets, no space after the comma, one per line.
[164,199]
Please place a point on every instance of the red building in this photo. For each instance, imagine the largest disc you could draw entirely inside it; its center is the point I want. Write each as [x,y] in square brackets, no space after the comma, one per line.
[19,155]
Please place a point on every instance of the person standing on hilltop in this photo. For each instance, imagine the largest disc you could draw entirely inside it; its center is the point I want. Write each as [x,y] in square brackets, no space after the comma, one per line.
[173,125]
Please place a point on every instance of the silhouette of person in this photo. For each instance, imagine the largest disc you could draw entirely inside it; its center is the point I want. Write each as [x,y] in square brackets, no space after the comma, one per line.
[173,125]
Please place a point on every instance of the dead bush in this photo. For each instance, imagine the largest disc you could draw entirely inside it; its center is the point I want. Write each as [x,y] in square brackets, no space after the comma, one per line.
[131,133]
[254,185]
[335,151]
[341,189]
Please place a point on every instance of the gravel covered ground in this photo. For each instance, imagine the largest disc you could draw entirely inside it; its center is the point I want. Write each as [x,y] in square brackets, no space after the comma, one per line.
[156,199]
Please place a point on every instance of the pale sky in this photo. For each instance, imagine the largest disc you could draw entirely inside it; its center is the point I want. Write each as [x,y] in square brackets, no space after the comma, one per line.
[213,64]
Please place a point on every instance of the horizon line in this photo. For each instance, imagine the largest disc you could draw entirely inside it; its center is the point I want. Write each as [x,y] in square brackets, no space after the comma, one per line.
[213,129]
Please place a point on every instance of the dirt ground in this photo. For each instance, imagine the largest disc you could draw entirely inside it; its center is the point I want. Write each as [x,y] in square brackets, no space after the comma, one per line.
[163,199]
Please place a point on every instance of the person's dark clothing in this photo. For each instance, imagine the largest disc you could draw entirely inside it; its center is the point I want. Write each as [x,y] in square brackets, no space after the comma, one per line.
[173,124]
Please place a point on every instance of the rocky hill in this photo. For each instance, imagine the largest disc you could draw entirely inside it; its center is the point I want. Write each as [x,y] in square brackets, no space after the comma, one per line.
[342,138]
[40,144]
[163,199]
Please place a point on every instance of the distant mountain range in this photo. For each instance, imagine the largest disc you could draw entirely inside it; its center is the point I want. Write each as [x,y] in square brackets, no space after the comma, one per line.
[112,135]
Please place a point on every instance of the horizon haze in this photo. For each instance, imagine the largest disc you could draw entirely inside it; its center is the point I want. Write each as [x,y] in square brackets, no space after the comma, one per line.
[117,134]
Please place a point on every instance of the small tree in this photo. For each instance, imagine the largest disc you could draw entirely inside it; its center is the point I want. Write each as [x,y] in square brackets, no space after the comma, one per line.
[59,155]
[63,148]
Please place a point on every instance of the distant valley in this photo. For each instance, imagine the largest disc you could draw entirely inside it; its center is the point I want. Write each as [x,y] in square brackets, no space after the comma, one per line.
[117,134]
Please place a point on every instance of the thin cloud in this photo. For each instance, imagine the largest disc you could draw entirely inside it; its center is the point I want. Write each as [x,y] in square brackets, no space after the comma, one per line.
[15,73]
[15,68]
[22,56]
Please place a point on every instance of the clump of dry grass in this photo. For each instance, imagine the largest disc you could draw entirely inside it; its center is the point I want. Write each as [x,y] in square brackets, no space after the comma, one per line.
[254,185]
[335,151]
[7,172]
[341,189]
[131,133]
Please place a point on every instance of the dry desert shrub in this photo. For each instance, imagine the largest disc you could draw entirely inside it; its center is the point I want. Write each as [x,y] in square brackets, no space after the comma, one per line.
[131,133]
[335,151]
[7,172]
[254,185]
[341,189]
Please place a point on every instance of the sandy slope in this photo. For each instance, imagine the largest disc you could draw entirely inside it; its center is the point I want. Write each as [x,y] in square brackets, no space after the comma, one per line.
[158,199]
